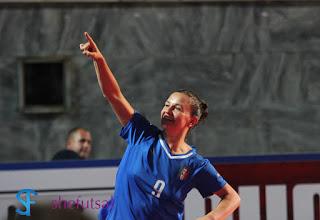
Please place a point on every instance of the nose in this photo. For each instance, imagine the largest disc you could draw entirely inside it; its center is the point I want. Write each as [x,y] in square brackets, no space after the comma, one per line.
[168,110]
[87,144]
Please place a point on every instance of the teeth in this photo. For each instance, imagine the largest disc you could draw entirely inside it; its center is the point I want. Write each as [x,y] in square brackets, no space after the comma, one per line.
[167,118]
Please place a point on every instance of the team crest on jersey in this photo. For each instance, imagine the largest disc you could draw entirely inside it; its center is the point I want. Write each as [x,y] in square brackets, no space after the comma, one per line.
[184,173]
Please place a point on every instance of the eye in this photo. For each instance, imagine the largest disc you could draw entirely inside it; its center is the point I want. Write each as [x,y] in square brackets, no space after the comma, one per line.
[178,108]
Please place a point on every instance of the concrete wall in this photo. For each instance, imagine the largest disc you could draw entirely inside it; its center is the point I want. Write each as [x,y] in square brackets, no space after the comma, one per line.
[257,66]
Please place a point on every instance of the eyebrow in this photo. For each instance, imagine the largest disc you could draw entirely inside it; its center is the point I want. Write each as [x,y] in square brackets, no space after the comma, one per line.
[174,104]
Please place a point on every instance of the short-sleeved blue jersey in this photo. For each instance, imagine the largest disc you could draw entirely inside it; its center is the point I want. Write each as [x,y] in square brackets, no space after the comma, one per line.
[152,183]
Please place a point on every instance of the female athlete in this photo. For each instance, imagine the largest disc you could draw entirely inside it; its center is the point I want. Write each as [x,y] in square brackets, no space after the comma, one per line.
[159,168]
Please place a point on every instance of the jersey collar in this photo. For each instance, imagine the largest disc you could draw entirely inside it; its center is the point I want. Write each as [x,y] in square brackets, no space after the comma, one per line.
[166,149]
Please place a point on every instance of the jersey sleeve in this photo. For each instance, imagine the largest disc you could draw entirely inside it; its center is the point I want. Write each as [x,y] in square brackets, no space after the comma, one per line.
[209,181]
[137,130]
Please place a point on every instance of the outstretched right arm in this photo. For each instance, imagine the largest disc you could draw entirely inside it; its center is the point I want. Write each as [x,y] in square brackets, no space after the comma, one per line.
[107,82]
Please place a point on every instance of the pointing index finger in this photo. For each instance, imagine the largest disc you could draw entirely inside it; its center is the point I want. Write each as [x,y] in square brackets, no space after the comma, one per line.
[89,38]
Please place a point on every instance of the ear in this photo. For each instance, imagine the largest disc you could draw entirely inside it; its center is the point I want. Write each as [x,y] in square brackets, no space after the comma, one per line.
[69,143]
[193,122]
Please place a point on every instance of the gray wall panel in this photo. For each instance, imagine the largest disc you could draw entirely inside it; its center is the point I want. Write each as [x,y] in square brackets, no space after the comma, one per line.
[257,65]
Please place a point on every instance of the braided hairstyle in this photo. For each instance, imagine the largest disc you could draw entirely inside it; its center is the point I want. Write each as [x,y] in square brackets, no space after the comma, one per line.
[199,107]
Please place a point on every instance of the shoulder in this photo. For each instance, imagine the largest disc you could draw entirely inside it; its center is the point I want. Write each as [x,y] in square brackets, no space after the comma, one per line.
[197,163]
[138,129]
[201,164]
[66,155]
[199,160]
[139,118]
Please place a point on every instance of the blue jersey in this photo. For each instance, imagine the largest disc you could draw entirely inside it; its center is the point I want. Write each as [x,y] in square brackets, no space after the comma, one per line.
[152,183]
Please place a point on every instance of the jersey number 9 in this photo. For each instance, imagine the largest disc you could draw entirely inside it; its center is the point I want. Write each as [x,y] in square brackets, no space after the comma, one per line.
[158,188]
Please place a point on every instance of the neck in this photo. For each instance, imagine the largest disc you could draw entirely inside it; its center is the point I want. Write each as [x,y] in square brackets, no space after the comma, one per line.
[177,143]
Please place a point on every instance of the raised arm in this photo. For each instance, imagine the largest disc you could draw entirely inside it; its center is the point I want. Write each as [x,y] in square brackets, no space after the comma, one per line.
[107,82]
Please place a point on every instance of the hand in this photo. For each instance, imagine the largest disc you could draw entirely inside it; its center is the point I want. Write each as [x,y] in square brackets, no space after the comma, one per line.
[90,48]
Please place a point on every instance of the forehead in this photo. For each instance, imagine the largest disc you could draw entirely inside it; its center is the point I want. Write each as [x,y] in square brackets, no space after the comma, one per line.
[83,134]
[179,98]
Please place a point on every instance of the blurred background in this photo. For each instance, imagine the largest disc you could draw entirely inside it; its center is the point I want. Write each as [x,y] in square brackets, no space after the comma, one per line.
[255,63]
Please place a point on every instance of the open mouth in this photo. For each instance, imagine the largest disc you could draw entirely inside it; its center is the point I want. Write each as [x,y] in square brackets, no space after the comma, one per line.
[166,118]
